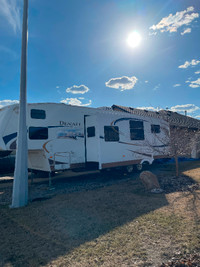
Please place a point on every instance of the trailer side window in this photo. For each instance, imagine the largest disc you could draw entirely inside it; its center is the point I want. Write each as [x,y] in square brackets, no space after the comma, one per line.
[38,114]
[38,133]
[111,133]
[155,128]
[91,131]
[136,130]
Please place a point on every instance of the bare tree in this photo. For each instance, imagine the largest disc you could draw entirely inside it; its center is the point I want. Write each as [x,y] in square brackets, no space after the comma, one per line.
[184,142]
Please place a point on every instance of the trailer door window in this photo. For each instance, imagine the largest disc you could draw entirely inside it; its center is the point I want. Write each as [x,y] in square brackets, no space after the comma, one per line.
[38,114]
[155,128]
[91,131]
[38,133]
[136,130]
[111,133]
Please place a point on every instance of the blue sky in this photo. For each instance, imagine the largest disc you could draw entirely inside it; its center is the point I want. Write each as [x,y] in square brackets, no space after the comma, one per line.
[78,53]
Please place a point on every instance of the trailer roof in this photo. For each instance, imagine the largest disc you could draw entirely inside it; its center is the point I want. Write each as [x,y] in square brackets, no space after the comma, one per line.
[174,118]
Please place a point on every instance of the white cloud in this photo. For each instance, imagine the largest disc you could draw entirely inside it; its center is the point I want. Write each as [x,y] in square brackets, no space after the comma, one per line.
[75,102]
[81,89]
[178,108]
[148,108]
[146,81]
[185,65]
[198,116]
[195,84]
[197,72]
[156,87]
[182,108]
[152,33]
[173,22]
[122,83]
[7,102]
[176,85]
[188,30]
[193,62]
[189,80]
[10,10]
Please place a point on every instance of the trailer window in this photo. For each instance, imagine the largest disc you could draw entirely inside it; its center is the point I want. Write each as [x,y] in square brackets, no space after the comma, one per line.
[38,114]
[111,133]
[136,130]
[91,131]
[38,133]
[155,128]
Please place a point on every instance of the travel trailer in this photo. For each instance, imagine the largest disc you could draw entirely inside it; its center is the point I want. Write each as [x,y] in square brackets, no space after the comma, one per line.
[62,137]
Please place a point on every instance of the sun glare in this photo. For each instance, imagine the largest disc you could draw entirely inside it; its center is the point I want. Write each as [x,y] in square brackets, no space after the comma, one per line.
[134,39]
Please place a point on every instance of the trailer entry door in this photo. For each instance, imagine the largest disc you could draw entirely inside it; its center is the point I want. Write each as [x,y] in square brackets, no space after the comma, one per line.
[92,142]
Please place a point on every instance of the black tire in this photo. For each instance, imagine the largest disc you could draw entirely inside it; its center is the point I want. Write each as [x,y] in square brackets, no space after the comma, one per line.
[138,167]
[129,168]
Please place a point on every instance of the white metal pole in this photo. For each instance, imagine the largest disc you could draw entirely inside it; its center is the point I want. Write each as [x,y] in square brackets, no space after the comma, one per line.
[20,185]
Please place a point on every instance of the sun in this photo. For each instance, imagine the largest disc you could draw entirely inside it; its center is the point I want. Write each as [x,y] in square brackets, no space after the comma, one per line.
[134,39]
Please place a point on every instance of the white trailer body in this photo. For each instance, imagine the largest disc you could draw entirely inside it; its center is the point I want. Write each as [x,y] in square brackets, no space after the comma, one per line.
[64,137]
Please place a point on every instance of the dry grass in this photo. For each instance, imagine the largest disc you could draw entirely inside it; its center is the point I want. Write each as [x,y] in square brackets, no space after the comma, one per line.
[113,224]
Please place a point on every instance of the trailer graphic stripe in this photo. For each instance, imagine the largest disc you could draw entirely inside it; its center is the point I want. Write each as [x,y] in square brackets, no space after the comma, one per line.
[125,119]
[9,137]
[126,143]
[129,144]
[140,153]
[44,146]
[162,145]
[59,126]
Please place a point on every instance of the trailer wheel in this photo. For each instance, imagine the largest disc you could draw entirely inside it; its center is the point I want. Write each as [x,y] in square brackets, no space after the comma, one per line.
[139,167]
[129,168]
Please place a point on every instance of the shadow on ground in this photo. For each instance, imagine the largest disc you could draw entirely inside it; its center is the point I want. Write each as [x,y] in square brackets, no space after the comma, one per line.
[170,183]
[7,164]
[44,230]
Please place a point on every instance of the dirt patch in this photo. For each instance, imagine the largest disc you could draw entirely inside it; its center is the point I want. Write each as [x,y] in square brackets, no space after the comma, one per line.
[104,220]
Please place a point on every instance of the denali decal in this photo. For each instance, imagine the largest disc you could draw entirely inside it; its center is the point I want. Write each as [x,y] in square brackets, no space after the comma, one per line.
[70,124]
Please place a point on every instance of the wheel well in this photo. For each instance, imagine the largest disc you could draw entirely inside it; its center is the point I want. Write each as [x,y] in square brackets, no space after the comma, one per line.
[146,162]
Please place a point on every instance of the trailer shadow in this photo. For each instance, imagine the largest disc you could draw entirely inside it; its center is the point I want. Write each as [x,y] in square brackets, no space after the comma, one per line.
[45,230]
[7,164]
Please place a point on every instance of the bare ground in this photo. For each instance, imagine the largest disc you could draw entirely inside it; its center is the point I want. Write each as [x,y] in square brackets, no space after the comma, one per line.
[104,220]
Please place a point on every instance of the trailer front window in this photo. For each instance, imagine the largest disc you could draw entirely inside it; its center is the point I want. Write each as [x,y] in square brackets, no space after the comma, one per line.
[38,133]
[155,128]
[111,133]
[136,130]
[38,114]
